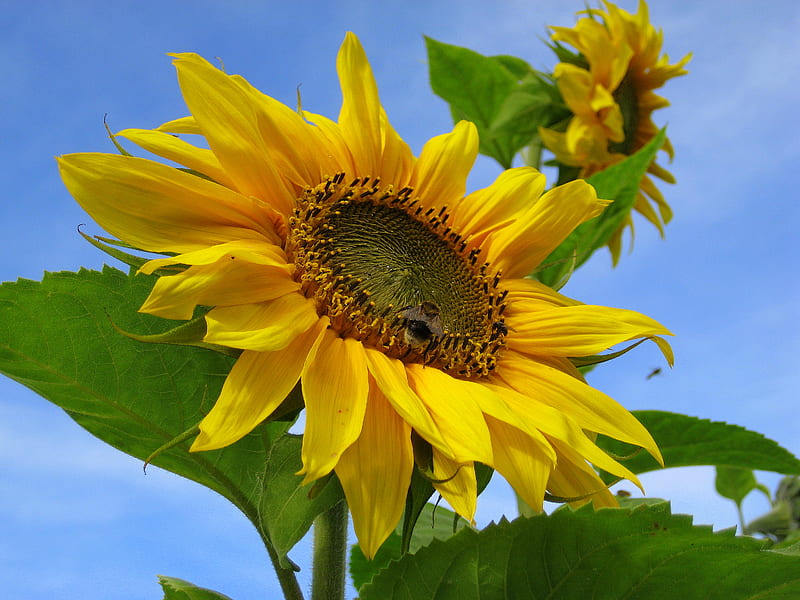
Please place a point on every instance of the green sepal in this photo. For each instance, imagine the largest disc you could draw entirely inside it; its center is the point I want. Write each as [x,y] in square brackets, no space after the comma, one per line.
[566,55]
[190,333]
[420,490]
[113,138]
[178,439]
[596,359]
[131,260]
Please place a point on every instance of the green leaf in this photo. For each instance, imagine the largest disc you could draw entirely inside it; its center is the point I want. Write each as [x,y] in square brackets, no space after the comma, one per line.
[435,523]
[689,441]
[734,483]
[641,553]
[178,589]
[502,95]
[620,183]
[57,338]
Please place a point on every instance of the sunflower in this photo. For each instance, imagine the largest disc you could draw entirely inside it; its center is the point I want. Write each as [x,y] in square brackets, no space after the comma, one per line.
[332,256]
[609,88]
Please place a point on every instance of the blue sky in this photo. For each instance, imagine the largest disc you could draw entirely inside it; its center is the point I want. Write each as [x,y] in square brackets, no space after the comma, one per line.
[80,520]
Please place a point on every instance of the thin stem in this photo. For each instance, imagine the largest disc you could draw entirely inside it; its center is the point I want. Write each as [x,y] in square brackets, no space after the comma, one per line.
[330,553]
[532,154]
[742,529]
[289,585]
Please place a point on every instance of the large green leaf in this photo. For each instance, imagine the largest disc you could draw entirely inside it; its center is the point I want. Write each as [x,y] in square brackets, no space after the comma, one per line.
[505,98]
[58,337]
[640,553]
[620,183]
[178,589]
[435,523]
[688,441]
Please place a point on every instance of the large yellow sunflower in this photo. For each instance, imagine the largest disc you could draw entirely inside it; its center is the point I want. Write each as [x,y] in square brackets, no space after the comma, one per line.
[334,257]
[612,98]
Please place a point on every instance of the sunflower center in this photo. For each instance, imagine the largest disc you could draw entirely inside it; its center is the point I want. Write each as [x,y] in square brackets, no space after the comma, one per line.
[391,273]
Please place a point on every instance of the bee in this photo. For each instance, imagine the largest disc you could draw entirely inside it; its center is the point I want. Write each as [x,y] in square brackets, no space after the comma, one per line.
[654,372]
[500,328]
[422,322]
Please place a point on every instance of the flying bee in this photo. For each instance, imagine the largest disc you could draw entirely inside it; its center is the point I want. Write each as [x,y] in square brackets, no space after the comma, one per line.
[422,322]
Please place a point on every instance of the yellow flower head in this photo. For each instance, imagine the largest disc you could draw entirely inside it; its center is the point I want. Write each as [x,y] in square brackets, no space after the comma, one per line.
[332,256]
[611,95]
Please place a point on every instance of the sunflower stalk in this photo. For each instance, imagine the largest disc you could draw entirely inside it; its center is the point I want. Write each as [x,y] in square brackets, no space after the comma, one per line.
[330,554]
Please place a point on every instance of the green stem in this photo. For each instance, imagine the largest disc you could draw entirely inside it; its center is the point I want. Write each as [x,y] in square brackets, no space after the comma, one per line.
[532,155]
[742,529]
[289,585]
[330,553]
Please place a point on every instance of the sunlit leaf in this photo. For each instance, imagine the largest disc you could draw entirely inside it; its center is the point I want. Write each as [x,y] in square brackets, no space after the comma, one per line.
[640,553]
[506,99]
[689,441]
[58,338]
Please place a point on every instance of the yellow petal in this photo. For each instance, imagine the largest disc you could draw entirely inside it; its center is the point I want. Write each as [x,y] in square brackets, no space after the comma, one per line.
[581,330]
[573,478]
[376,148]
[265,326]
[255,252]
[229,120]
[497,206]
[335,386]
[242,272]
[255,387]
[332,142]
[461,423]
[457,484]
[293,145]
[520,460]
[528,295]
[590,408]
[159,208]
[173,148]
[518,249]
[555,424]
[187,125]
[375,472]
[440,175]
[390,376]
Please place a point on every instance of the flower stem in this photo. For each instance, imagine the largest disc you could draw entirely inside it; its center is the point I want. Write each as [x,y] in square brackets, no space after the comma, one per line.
[330,553]
[286,577]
